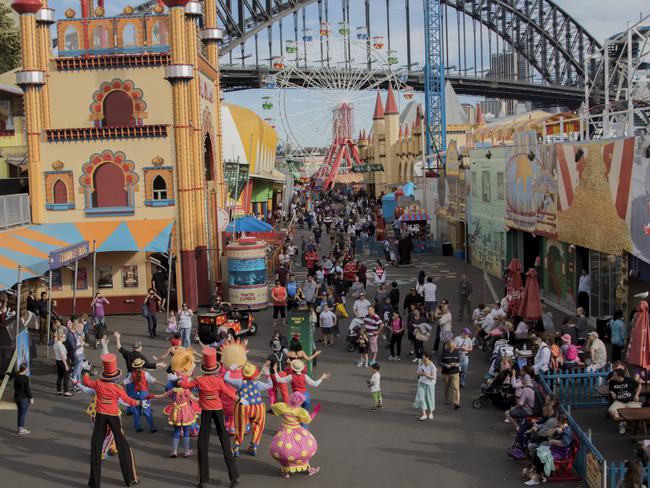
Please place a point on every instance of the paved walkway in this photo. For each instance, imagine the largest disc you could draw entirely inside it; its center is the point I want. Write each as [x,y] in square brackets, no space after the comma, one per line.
[357,447]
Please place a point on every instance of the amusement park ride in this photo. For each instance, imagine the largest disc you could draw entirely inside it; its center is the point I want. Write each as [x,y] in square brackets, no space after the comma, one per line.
[336,91]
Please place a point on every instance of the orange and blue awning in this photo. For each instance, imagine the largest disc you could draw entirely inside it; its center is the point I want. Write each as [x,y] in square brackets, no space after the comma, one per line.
[414,217]
[31,245]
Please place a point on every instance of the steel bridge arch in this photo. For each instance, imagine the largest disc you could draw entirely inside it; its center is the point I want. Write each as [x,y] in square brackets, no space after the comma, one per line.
[551,41]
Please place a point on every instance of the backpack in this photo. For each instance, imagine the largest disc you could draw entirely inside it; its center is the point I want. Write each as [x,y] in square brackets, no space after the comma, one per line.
[571,353]
[539,401]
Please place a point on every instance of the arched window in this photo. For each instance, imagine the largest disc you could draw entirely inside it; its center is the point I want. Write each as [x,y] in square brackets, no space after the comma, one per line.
[108,184]
[71,39]
[208,160]
[60,192]
[100,37]
[128,35]
[159,188]
[118,109]
[159,34]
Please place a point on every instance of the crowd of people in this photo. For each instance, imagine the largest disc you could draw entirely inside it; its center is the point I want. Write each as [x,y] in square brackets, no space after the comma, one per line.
[350,301]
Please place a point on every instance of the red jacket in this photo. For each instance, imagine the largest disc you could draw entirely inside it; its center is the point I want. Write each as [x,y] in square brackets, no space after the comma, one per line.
[211,387]
[108,395]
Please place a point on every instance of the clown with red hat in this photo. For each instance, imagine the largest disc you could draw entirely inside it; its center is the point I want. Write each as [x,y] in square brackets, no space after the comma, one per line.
[107,415]
[211,386]
[249,408]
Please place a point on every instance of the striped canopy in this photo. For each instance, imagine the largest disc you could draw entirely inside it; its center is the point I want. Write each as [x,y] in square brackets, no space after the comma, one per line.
[30,246]
[414,216]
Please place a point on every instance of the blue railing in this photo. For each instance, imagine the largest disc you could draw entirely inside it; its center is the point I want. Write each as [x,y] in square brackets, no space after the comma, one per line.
[576,388]
[616,472]
[588,469]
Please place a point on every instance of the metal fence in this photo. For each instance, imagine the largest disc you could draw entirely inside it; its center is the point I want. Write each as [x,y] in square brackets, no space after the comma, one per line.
[616,472]
[373,247]
[576,388]
[14,210]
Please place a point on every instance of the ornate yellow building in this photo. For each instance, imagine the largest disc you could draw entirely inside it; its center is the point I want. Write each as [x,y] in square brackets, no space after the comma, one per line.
[124,141]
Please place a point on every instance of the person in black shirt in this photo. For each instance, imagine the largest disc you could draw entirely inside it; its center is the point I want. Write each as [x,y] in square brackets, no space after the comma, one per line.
[278,356]
[42,315]
[158,283]
[22,396]
[32,304]
[394,295]
[413,298]
[450,362]
[625,394]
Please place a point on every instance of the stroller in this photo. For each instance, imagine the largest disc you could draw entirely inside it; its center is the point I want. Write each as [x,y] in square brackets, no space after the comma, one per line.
[353,334]
[499,394]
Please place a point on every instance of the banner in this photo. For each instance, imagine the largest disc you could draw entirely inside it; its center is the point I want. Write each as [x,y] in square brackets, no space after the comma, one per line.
[299,326]
[67,255]
[639,214]
[22,349]
[594,180]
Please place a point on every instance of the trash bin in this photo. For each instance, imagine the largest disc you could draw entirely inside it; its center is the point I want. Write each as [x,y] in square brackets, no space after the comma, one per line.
[447,250]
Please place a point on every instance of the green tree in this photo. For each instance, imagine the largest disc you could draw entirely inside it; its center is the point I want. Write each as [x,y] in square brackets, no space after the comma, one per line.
[9,40]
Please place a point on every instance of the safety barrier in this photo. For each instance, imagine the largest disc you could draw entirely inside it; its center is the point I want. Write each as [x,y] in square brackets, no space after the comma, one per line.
[616,472]
[576,388]
[373,247]
[14,210]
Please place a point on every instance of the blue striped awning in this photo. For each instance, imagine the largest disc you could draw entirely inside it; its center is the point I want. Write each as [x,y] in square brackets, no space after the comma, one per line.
[414,217]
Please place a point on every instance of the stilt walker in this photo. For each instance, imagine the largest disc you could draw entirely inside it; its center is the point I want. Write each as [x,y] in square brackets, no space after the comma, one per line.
[210,387]
[249,408]
[108,415]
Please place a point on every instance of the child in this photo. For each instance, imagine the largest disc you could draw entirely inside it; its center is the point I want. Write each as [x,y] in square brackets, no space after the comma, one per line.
[374,383]
[172,326]
[141,380]
[362,344]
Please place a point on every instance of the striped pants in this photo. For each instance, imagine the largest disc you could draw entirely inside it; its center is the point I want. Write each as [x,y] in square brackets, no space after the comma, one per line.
[255,415]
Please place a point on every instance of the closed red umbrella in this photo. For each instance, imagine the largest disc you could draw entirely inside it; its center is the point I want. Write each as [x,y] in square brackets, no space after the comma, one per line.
[530,307]
[638,349]
[513,285]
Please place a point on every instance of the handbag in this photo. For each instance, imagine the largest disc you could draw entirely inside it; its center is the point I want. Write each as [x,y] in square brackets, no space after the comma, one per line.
[422,336]
[340,309]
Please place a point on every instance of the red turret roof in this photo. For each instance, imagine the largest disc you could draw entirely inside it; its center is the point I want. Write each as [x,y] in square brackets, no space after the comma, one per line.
[391,106]
[480,120]
[401,132]
[406,132]
[26,6]
[379,109]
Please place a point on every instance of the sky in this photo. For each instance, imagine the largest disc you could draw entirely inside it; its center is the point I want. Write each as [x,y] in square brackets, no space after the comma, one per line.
[307,115]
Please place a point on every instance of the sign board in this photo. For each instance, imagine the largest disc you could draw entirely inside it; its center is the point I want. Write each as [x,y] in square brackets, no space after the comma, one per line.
[67,255]
[299,326]
[22,349]
[223,219]
[593,471]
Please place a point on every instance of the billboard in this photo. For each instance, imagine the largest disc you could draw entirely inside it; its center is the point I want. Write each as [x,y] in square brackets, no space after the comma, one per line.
[639,212]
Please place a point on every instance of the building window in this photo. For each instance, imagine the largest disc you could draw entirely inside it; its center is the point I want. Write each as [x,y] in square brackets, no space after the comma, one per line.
[487,187]
[100,37]
[71,39]
[108,184]
[500,186]
[159,34]
[474,184]
[159,188]
[208,160]
[60,192]
[128,35]
[118,109]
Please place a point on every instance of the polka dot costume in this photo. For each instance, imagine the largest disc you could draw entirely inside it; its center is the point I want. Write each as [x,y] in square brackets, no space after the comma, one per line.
[293,446]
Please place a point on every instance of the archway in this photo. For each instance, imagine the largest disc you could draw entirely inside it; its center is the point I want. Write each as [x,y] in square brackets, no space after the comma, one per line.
[159,188]
[118,109]
[208,159]
[108,184]
[60,192]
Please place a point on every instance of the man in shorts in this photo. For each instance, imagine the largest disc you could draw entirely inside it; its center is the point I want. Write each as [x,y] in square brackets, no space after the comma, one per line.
[279,295]
[373,324]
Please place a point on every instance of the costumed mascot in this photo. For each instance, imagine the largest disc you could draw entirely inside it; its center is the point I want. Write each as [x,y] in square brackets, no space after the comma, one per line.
[249,408]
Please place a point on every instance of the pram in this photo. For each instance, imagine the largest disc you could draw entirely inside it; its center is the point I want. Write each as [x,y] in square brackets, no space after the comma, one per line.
[353,334]
[499,394]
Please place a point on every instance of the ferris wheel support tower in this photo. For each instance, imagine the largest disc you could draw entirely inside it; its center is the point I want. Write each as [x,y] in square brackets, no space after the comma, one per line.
[434,84]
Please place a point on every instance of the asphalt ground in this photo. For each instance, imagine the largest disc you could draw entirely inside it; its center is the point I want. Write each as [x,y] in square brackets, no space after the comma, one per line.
[357,447]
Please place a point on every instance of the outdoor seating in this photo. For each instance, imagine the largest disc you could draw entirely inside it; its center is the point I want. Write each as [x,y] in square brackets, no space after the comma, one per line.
[564,470]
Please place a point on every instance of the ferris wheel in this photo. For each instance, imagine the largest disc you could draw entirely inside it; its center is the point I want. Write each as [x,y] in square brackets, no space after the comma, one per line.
[315,78]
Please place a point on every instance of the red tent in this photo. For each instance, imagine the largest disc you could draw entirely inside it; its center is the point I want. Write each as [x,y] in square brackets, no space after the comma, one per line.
[513,285]
[638,349]
[530,307]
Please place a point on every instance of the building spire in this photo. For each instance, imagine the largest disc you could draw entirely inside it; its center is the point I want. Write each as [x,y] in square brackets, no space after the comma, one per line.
[379,109]
[480,119]
[391,106]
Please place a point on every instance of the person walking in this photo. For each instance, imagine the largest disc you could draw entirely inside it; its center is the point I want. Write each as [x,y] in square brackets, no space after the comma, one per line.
[450,362]
[374,384]
[279,296]
[99,314]
[42,316]
[464,345]
[22,396]
[619,335]
[373,324]
[149,308]
[425,398]
[62,365]
[429,293]
[211,387]
[584,290]
[464,297]
[444,331]
[327,321]
[397,334]
[185,325]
